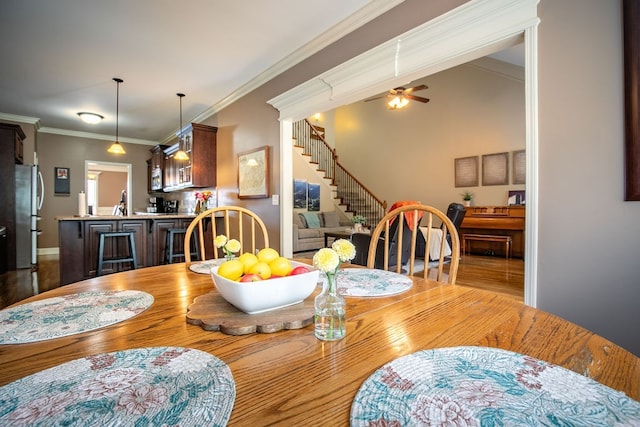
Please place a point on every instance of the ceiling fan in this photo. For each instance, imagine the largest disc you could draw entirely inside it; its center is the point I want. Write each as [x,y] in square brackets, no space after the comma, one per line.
[400,96]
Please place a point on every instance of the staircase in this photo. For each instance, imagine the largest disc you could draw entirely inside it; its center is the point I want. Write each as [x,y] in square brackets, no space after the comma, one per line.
[350,194]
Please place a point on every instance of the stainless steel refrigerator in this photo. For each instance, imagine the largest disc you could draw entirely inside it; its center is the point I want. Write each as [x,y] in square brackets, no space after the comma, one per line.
[29,198]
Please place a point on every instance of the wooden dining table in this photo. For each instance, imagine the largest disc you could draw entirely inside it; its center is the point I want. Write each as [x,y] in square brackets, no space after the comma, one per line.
[290,377]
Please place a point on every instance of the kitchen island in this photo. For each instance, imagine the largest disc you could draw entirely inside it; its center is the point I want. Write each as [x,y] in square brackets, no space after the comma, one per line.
[78,241]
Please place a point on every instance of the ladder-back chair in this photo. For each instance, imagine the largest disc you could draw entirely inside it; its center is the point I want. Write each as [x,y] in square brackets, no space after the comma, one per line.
[235,222]
[416,216]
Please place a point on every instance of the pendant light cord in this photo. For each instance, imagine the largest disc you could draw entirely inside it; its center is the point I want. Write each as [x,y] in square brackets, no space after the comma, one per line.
[180,95]
[118,81]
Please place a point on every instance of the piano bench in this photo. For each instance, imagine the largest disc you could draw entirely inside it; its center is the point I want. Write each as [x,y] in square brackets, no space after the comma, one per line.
[467,238]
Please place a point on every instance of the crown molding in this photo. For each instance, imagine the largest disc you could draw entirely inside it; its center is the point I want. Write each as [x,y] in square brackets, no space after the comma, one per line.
[473,30]
[371,11]
[497,67]
[88,135]
[21,119]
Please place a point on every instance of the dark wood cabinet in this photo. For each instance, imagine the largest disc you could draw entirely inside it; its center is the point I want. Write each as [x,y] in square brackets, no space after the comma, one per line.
[79,241]
[156,167]
[159,243]
[11,154]
[200,144]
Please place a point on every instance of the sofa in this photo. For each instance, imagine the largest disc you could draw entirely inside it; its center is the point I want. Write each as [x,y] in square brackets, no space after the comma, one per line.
[309,228]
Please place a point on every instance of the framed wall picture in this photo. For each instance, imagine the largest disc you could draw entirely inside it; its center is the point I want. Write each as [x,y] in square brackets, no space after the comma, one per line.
[495,169]
[516,197]
[313,197]
[466,171]
[253,174]
[62,180]
[519,167]
[631,46]
[299,194]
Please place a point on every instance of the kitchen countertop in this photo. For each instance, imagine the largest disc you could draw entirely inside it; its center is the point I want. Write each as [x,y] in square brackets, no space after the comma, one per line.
[141,215]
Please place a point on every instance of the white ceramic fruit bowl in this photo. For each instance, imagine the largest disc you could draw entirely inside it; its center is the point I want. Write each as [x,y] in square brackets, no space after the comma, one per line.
[265,295]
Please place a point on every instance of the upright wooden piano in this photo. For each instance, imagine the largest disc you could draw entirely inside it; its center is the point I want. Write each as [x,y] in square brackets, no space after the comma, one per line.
[497,221]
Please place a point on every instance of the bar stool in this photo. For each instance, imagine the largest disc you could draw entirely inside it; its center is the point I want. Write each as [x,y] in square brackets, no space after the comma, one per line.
[117,259]
[169,254]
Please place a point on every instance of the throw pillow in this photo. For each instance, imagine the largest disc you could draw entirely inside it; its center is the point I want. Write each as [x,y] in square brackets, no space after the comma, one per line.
[312,219]
[303,220]
[331,219]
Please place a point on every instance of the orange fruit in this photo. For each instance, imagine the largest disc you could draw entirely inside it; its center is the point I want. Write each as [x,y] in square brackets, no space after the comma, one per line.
[281,266]
[262,269]
[232,269]
[267,255]
[248,260]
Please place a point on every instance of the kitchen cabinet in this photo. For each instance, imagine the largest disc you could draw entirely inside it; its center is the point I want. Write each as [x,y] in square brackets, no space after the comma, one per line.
[156,168]
[79,240]
[200,170]
[159,236]
[11,154]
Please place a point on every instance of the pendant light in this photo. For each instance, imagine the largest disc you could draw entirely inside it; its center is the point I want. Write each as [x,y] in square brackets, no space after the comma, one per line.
[180,154]
[116,148]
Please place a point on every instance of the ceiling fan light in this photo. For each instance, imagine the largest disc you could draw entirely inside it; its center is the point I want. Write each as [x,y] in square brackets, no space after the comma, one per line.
[116,148]
[398,102]
[91,118]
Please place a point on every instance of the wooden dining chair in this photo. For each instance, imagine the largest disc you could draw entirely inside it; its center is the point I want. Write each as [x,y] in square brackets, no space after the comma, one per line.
[234,222]
[400,249]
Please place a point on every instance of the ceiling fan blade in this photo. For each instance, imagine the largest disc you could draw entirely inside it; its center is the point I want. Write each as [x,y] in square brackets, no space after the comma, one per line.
[415,89]
[416,98]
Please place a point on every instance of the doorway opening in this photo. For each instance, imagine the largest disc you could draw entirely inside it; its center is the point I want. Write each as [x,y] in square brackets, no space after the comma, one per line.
[106,183]
[434,46]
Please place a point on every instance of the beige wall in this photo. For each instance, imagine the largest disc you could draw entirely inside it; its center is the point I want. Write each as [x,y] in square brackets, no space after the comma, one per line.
[408,154]
[110,188]
[589,269]
[71,152]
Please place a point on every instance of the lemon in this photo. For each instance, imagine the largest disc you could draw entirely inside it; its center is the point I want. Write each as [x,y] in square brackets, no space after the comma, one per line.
[248,260]
[267,255]
[280,266]
[231,269]
[262,269]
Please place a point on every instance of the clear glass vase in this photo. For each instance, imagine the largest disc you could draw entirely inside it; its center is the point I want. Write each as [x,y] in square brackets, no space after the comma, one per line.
[330,311]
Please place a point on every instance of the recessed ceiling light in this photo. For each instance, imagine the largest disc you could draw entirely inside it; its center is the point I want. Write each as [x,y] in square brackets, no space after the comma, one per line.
[91,118]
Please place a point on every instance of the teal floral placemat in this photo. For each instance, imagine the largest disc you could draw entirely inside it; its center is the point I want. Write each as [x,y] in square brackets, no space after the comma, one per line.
[479,386]
[365,282]
[157,386]
[204,267]
[69,314]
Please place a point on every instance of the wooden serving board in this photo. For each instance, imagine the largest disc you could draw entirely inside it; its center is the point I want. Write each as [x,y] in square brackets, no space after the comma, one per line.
[214,313]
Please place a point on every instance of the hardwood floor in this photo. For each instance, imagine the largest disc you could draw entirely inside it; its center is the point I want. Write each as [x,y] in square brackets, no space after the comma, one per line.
[485,272]
[495,274]
[20,284]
